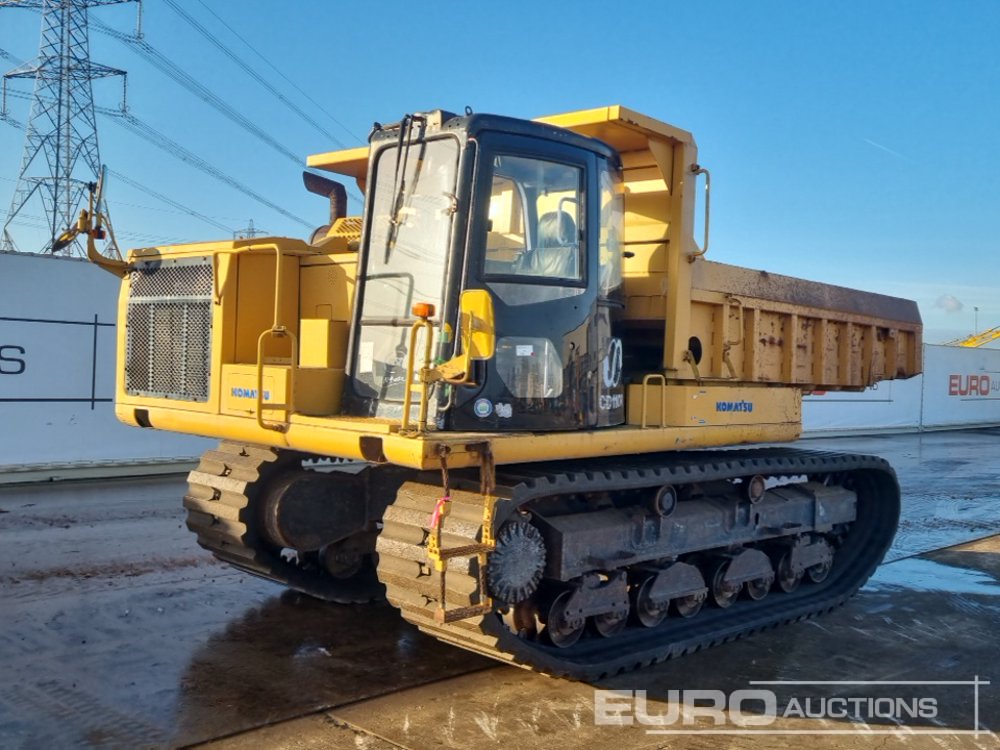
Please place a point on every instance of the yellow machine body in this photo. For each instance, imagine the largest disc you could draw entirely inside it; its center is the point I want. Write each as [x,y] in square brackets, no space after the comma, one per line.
[518,292]
[280,308]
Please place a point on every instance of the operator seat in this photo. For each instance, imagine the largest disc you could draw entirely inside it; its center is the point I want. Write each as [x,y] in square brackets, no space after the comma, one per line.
[557,253]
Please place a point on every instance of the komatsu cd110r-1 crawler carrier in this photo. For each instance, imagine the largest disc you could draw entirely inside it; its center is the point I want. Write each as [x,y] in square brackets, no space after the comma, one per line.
[530,369]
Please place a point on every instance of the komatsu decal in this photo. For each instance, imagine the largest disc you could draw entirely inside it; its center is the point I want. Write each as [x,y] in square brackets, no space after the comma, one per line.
[746,406]
[248,393]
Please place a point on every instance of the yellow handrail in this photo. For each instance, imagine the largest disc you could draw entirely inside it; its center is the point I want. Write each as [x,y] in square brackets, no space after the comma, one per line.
[697,169]
[289,405]
[425,373]
[277,330]
[663,397]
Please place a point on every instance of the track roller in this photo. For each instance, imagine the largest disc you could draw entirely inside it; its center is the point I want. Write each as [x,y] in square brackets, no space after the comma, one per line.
[680,583]
[730,572]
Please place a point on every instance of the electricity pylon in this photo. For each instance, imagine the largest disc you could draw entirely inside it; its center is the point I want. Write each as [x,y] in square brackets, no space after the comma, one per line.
[60,142]
[249,232]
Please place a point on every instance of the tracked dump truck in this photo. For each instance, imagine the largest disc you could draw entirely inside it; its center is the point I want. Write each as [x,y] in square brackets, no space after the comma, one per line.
[533,379]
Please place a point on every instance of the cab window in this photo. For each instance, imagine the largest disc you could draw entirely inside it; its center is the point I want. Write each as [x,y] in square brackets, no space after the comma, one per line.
[612,228]
[535,220]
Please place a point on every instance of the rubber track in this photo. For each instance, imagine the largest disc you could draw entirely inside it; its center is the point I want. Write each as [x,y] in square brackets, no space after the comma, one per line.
[412,586]
[220,509]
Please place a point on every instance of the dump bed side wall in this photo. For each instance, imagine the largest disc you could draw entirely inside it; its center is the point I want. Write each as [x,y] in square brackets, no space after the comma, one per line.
[757,327]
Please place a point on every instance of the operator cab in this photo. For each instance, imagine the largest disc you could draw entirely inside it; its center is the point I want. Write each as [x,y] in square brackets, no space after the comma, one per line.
[531,215]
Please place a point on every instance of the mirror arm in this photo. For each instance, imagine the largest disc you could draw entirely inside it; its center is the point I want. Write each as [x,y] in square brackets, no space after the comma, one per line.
[475,324]
[111,265]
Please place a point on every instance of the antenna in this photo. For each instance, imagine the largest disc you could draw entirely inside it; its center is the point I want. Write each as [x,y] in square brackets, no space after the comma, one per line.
[61,156]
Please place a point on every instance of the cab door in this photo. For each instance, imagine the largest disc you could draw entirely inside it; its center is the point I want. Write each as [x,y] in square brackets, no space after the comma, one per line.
[530,246]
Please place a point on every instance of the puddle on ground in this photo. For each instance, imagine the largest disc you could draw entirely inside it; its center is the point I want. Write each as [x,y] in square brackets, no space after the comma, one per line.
[919,574]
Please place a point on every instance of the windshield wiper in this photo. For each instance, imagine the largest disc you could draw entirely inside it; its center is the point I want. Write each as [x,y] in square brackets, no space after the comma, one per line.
[399,181]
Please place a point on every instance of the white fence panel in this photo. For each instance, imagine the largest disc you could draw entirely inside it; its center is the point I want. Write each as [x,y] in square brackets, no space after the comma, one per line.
[57,354]
[961,386]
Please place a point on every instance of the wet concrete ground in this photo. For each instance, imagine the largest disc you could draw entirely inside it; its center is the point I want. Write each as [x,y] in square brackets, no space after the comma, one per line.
[117,630]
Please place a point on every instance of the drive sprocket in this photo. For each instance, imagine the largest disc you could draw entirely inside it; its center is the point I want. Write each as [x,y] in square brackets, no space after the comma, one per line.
[516,565]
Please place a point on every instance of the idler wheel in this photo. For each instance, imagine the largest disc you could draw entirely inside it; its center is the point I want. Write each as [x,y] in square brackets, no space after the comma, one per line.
[788,580]
[304,510]
[562,631]
[516,565]
[723,593]
[648,613]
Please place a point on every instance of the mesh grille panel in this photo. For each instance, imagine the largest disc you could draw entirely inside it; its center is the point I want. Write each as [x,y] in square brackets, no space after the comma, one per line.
[349,227]
[169,335]
[191,279]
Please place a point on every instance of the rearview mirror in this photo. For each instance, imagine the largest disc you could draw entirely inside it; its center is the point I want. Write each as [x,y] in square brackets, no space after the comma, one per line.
[477,324]
[477,337]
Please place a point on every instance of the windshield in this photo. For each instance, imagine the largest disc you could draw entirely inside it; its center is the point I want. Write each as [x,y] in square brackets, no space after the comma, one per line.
[413,201]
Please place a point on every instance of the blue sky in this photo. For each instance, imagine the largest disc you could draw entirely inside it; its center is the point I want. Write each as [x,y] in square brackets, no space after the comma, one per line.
[853,143]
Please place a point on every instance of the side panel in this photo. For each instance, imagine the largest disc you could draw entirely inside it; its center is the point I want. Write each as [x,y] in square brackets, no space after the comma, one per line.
[271,305]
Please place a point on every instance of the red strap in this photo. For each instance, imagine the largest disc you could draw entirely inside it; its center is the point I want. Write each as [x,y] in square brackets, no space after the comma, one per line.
[438,507]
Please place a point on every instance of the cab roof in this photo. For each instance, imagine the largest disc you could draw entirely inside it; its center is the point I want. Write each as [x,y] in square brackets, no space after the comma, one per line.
[620,128]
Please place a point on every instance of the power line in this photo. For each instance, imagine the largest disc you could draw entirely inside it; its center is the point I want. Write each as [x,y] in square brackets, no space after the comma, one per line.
[165,209]
[169,201]
[4,117]
[168,68]
[126,38]
[203,93]
[168,210]
[156,138]
[350,195]
[273,67]
[246,68]
[161,141]
[151,135]
[38,222]
[181,208]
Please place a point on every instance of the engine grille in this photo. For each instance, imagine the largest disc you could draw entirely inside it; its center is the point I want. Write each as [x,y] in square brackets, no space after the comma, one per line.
[169,329]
